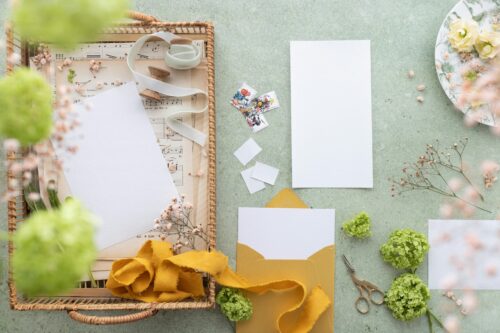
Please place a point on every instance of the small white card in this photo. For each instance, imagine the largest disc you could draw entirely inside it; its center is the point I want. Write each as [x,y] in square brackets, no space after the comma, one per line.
[253,185]
[265,173]
[464,254]
[286,233]
[247,151]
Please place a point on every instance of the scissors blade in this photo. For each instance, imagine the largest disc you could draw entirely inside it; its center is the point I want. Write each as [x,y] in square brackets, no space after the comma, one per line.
[348,264]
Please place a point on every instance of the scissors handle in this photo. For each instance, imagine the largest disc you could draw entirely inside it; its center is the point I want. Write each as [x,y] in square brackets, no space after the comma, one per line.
[379,298]
[362,304]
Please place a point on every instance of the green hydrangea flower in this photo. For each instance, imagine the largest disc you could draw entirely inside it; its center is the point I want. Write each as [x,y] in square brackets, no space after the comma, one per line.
[234,304]
[405,249]
[359,227]
[66,23]
[54,249]
[407,298]
[25,107]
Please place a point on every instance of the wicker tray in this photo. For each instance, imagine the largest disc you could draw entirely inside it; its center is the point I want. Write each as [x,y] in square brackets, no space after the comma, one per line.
[85,297]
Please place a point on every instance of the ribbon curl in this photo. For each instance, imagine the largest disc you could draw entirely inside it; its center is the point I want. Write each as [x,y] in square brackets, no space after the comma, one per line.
[157,275]
[178,57]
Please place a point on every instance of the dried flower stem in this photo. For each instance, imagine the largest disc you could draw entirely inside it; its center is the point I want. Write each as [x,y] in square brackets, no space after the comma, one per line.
[430,317]
[176,221]
[422,174]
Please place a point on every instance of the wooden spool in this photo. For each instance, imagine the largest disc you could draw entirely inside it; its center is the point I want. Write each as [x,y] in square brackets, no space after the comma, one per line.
[159,74]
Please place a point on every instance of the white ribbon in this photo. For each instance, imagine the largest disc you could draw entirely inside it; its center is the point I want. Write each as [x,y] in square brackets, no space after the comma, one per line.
[179,56]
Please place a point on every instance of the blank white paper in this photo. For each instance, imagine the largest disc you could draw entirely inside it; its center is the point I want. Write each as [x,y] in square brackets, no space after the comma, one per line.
[253,185]
[247,151]
[464,254]
[119,172]
[286,233]
[265,173]
[331,114]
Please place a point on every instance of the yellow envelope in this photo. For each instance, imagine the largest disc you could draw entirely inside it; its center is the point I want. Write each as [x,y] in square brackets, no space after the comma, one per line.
[316,270]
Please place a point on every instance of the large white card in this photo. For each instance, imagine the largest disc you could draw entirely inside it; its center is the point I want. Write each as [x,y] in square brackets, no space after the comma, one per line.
[331,114]
[286,233]
[464,254]
[119,172]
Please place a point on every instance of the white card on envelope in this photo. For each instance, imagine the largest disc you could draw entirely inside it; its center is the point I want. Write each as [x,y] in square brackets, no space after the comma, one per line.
[119,172]
[275,232]
[331,114]
[464,254]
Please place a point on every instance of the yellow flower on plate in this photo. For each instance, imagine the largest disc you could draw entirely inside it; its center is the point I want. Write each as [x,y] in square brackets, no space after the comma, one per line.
[488,44]
[463,35]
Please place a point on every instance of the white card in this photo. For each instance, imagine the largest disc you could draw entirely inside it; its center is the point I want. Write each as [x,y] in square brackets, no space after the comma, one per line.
[253,185]
[247,151]
[286,233]
[464,254]
[119,172]
[331,114]
[265,173]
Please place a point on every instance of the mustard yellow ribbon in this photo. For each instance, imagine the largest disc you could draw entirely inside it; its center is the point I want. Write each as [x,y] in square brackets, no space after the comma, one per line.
[157,275]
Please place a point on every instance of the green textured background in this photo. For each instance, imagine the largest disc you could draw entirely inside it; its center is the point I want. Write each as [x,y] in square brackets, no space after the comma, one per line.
[252,45]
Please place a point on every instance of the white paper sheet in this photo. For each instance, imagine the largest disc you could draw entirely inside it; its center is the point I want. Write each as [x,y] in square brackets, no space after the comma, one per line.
[253,185]
[119,172]
[331,114]
[464,254]
[286,233]
[247,151]
[265,173]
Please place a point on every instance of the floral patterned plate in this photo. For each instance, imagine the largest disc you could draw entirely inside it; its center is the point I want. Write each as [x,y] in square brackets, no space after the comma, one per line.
[451,64]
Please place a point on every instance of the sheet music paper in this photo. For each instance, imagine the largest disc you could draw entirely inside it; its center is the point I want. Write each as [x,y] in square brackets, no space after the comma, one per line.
[180,152]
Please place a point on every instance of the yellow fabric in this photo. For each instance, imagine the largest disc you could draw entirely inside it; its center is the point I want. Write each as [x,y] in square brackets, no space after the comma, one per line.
[157,275]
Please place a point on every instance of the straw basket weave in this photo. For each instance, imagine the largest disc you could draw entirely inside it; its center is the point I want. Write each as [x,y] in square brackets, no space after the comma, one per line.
[98,299]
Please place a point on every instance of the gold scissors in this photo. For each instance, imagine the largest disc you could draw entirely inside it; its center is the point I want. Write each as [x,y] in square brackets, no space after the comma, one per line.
[362,303]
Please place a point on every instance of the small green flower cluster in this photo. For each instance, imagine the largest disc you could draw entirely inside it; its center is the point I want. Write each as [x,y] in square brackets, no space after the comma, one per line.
[405,249]
[234,304]
[54,249]
[359,227]
[25,107]
[407,298]
[66,23]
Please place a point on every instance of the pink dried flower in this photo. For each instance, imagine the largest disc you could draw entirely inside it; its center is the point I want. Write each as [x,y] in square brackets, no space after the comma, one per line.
[455,184]
[452,324]
[449,282]
[489,170]
[11,145]
[473,241]
[446,211]
[471,193]
[16,168]
[491,270]
[470,302]
[33,196]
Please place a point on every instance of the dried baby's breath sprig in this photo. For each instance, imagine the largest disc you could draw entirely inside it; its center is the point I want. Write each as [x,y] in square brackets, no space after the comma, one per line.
[431,170]
[489,170]
[176,221]
[42,57]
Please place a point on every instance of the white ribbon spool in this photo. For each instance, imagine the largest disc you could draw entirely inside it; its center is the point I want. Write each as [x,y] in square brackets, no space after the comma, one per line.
[178,56]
